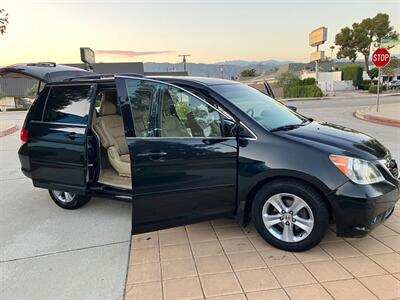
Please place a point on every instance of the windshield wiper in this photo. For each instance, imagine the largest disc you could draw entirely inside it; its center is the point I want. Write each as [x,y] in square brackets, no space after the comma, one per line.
[291,126]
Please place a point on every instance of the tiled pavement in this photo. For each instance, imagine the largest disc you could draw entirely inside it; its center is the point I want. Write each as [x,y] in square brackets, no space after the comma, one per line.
[220,260]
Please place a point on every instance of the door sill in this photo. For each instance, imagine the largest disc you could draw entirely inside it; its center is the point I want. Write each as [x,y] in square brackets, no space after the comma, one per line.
[111,178]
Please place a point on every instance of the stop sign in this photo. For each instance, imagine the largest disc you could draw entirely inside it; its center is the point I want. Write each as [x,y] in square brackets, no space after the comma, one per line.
[380,57]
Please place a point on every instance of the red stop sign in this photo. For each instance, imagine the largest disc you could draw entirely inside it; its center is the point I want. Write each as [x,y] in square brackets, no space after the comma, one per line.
[380,57]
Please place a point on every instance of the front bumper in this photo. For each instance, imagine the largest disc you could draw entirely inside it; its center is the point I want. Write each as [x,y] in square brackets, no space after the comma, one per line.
[358,209]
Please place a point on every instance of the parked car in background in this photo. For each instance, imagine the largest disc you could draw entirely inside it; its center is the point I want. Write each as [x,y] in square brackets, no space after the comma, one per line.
[394,84]
[189,149]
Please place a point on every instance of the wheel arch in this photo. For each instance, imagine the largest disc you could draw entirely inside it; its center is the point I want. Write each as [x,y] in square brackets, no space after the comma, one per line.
[245,204]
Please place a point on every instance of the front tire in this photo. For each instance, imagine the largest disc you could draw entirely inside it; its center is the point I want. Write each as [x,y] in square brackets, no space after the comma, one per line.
[290,215]
[68,200]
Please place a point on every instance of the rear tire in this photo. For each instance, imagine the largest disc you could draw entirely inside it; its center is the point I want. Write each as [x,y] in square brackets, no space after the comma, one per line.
[290,215]
[68,200]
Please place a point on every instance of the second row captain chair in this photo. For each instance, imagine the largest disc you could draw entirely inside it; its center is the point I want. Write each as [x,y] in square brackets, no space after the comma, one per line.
[110,128]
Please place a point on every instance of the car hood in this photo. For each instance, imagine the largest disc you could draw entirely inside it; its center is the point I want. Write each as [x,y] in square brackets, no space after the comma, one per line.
[337,139]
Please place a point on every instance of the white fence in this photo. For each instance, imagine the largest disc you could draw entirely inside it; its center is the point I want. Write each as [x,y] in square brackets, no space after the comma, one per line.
[330,81]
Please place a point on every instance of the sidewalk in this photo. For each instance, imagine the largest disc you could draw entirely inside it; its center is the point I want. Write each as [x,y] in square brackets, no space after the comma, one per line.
[388,114]
[7,128]
[221,260]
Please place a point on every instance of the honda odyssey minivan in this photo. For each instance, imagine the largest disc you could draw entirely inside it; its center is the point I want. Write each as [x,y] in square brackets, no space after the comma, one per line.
[189,149]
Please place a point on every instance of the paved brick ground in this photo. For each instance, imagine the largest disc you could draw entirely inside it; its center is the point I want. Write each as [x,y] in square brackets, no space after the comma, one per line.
[220,260]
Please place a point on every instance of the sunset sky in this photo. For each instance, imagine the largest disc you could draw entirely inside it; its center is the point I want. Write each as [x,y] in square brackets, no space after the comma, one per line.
[158,31]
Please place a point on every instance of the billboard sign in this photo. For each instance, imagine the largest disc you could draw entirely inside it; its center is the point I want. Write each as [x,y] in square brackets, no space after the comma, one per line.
[87,56]
[318,36]
[315,56]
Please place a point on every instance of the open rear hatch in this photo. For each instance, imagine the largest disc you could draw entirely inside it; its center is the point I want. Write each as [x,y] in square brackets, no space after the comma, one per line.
[46,72]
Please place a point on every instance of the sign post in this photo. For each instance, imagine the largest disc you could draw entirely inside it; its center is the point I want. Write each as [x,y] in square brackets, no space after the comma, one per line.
[380,58]
[316,38]
[87,57]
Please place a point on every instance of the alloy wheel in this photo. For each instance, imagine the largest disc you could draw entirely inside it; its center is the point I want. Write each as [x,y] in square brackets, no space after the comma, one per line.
[288,217]
[64,197]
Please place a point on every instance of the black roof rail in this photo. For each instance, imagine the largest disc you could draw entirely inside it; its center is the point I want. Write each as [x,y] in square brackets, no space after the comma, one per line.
[101,76]
[42,64]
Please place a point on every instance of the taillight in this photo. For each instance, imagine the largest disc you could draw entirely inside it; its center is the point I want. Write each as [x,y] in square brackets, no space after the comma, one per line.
[23,136]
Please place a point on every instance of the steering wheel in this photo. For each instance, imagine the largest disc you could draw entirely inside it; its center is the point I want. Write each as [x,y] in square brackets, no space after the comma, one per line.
[250,112]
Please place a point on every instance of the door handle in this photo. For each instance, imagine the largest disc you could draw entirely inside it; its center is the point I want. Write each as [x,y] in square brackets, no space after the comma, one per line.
[72,135]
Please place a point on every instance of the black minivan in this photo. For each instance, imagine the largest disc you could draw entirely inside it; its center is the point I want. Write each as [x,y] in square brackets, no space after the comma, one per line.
[189,149]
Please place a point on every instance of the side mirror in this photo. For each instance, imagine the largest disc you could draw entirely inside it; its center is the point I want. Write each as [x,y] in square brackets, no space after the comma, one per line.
[229,128]
[294,108]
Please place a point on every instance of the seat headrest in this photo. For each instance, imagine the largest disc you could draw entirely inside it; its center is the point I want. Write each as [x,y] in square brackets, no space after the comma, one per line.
[108,106]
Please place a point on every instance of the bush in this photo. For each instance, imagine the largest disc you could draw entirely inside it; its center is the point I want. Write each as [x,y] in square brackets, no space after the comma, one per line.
[249,73]
[352,72]
[288,79]
[373,89]
[308,81]
[364,85]
[302,91]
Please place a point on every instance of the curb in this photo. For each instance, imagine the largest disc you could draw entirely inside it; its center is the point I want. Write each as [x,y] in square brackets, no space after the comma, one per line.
[377,120]
[8,130]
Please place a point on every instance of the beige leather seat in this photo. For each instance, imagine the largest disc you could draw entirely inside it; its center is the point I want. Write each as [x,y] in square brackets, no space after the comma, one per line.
[110,128]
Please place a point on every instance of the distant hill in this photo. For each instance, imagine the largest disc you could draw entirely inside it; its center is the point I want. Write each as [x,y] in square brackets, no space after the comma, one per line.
[230,68]
[270,63]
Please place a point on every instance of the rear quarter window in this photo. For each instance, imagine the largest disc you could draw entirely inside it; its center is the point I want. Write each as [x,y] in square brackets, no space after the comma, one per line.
[68,104]
[36,110]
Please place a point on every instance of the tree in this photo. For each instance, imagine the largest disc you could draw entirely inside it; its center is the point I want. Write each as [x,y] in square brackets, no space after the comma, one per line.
[288,79]
[373,73]
[362,36]
[248,73]
[345,40]
[31,92]
[3,21]
[383,30]
[388,70]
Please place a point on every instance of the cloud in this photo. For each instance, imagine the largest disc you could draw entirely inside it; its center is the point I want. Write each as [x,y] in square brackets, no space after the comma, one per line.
[127,53]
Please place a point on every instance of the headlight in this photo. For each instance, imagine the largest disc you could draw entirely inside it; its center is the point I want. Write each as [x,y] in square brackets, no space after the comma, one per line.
[357,170]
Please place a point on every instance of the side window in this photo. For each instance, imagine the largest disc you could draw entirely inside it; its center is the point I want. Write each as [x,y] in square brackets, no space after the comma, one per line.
[143,99]
[161,110]
[36,111]
[68,104]
[183,115]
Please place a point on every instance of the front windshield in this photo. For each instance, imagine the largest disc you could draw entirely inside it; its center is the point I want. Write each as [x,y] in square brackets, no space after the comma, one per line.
[268,112]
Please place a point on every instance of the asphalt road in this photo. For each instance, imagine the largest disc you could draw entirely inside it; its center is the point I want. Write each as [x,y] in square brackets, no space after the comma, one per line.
[344,103]
[50,253]
[340,111]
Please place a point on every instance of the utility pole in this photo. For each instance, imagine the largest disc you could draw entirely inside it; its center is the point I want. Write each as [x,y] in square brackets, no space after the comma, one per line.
[222,71]
[332,48]
[316,66]
[184,60]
